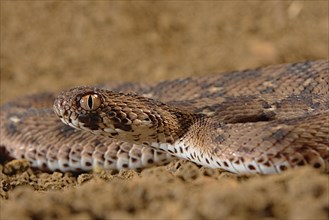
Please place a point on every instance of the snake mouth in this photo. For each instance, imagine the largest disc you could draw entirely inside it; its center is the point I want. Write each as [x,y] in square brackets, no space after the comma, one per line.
[59,112]
[59,106]
[67,118]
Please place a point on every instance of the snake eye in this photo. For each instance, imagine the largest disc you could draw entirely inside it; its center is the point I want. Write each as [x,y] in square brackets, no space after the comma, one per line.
[90,102]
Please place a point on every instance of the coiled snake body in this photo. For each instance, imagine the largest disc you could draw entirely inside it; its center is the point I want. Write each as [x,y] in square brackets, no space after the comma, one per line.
[254,121]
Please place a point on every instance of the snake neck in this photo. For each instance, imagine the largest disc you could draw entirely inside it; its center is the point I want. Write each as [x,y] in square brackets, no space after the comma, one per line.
[191,144]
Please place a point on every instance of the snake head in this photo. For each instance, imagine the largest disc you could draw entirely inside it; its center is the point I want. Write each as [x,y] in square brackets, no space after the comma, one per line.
[122,116]
[80,107]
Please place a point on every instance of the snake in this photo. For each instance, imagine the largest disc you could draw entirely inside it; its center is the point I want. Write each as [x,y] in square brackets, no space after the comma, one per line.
[264,120]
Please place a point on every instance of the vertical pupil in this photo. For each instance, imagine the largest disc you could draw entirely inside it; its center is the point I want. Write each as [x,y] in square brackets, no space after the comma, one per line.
[90,102]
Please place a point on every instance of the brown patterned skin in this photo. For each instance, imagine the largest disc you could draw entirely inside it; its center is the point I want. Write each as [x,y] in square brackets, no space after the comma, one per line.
[30,130]
[264,120]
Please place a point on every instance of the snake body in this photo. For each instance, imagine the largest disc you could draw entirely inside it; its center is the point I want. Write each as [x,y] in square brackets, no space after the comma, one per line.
[263,120]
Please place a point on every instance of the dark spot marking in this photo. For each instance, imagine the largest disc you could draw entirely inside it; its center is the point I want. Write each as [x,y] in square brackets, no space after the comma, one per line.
[122,126]
[225,164]
[116,120]
[279,134]
[43,166]
[207,160]
[220,139]
[265,116]
[150,161]
[283,167]
[266,105]
[12,129]
[301,163]
[317,165]
[278,104]
[170,141]
[261,160]
[251,167]
[178,115]
[268,90]
[267,164]
[125,165]
[74,160]
[277,156]
[268,211]
[125,121]
[88,164]
[244,149]
[97,142]
[216,150]
[315,105]
[112,114]
[295,160]
[134,160]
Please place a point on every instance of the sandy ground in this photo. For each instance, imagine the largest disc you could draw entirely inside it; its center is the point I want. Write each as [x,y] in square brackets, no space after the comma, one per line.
[56,45]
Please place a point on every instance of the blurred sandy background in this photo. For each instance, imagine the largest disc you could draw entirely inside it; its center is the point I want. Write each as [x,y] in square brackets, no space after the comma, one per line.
[52,45]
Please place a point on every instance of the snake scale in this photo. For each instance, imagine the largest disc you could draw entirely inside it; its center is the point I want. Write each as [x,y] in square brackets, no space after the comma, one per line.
[263,120]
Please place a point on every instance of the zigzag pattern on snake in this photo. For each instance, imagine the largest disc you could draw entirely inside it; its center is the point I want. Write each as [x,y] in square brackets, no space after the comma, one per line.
[263,120]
